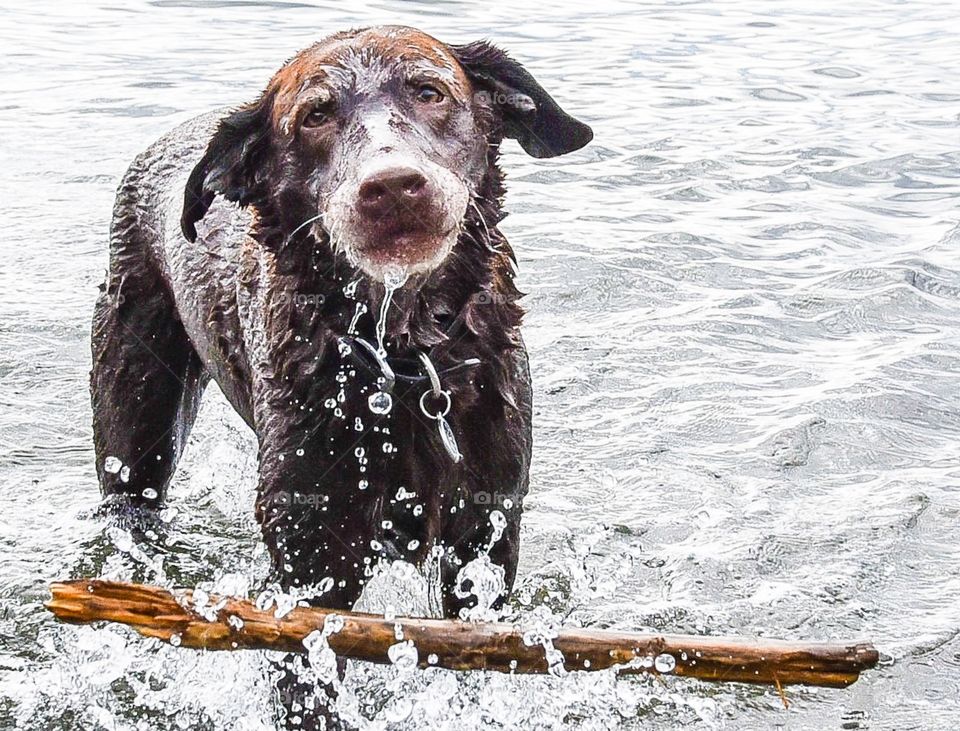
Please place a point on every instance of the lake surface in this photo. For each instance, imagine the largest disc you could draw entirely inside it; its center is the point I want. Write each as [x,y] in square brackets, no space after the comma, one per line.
[744,325]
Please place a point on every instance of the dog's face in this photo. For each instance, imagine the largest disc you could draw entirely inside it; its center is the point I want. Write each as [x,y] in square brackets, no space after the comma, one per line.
[380,138]
[381,131]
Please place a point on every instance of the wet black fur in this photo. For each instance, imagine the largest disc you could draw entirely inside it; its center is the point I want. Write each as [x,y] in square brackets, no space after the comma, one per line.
[278,362]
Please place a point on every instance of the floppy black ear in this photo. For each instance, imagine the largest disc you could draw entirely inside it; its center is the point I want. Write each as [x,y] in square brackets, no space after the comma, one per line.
[230,166]
[530,115]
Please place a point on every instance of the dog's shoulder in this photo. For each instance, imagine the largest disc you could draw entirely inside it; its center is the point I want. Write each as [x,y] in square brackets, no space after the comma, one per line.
[151,190]
[177,150]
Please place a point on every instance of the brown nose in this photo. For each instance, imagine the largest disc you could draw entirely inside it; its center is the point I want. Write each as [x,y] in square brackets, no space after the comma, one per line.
[395,187]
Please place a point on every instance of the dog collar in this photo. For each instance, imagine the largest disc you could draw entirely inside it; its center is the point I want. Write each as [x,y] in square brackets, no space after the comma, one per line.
[435,402]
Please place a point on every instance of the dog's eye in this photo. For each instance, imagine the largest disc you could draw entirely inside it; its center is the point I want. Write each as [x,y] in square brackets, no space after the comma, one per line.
[429,94]
[317,116]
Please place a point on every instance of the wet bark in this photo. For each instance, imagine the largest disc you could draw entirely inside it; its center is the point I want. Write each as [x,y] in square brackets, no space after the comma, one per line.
[457,645]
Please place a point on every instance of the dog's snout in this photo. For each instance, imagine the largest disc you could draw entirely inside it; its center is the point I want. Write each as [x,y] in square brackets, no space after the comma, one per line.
[384,189]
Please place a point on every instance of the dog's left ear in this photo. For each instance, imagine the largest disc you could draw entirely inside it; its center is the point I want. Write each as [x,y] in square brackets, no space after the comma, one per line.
[231,166]
[530,115]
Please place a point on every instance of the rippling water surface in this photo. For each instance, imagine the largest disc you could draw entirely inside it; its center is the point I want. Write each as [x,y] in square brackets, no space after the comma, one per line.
[743,324]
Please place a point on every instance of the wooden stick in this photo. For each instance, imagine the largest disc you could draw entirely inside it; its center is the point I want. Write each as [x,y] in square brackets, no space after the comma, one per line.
[456,645]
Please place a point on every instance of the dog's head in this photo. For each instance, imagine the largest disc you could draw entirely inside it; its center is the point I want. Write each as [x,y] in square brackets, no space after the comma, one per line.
[380,138]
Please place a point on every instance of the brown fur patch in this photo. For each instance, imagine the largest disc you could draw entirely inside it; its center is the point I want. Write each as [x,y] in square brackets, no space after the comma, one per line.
[389,42]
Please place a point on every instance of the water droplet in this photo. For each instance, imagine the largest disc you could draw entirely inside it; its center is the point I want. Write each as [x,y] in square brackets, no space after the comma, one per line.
[125,474]
[149,493]
[112,465]
[413,545]
[499,523]
[363,484]
[121,539]
[403,655]
[507,503]
[665,663]
[361,308]
[175,640]
[322,659]
[333,624]
[486,582]
[300,452]
[399,710]
[392,281]
[432,658]
[380,402]
[394,278]
[330,403]
[418,510]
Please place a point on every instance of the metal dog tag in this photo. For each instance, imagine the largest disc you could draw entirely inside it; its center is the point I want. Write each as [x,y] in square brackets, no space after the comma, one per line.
[448,439]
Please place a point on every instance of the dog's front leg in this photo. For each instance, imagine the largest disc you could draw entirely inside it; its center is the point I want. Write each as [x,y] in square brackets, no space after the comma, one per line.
[315,531]
[320,535]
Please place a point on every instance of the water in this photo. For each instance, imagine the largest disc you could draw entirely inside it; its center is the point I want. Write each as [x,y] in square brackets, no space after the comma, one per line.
[743,325]
[391,283]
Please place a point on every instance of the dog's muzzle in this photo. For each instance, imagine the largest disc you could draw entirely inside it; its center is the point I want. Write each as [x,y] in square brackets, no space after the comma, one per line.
[399,215]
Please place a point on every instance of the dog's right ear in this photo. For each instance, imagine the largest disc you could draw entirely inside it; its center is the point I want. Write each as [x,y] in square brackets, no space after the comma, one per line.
[231,166]
[529,113]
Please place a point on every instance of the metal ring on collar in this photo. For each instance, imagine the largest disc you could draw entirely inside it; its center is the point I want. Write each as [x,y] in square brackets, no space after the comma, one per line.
[440,414]
[432,373]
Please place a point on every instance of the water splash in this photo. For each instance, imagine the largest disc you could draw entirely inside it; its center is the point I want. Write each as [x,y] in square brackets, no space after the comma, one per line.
[357,314]
[323,660]
[542,630]
[397,588]
[392,281]
[350,290]
[483,579]
[404,656]
[284,601]
[124,542]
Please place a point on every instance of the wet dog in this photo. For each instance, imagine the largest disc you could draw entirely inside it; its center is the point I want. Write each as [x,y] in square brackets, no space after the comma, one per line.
[329,255]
